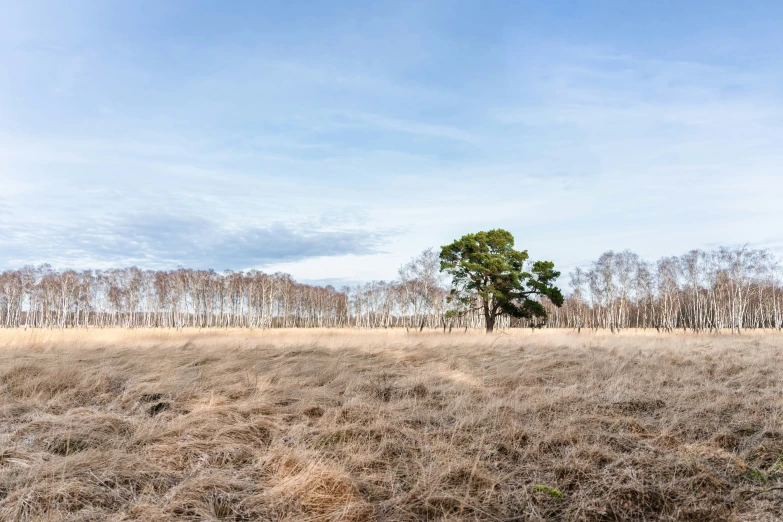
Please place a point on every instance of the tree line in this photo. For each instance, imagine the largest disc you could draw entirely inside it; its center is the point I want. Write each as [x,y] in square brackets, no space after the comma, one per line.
[41,297]
[700,291]
[492,286]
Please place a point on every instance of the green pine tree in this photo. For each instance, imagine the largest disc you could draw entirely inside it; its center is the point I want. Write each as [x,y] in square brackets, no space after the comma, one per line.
[490,276]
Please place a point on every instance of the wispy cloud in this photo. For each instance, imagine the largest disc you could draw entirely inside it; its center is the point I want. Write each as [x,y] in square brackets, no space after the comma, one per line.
[412,127]
[167,241]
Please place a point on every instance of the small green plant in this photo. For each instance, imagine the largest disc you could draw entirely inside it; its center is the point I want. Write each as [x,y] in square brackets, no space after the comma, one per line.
[549,491]
[757,475]
[778,464]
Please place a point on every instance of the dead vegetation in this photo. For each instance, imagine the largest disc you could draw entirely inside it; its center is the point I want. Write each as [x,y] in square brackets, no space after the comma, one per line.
[346,425]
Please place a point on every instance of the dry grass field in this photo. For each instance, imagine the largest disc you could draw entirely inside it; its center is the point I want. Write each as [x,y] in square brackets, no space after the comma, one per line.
[351,425]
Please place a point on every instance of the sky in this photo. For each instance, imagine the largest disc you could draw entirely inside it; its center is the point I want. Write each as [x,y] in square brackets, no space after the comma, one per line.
[336,140]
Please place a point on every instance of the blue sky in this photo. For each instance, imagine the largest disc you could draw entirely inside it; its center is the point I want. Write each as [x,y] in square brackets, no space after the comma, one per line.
[335,140]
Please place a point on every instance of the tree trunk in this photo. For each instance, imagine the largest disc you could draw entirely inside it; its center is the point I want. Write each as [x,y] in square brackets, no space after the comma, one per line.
[490,323]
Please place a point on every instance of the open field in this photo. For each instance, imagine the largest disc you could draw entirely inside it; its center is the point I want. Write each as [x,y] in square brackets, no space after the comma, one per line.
[384,425]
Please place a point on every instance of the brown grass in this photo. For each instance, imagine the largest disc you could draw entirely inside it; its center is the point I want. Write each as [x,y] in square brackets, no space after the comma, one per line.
[349,425]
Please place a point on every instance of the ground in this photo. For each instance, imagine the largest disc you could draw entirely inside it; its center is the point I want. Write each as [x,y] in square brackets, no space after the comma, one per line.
[389,425]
